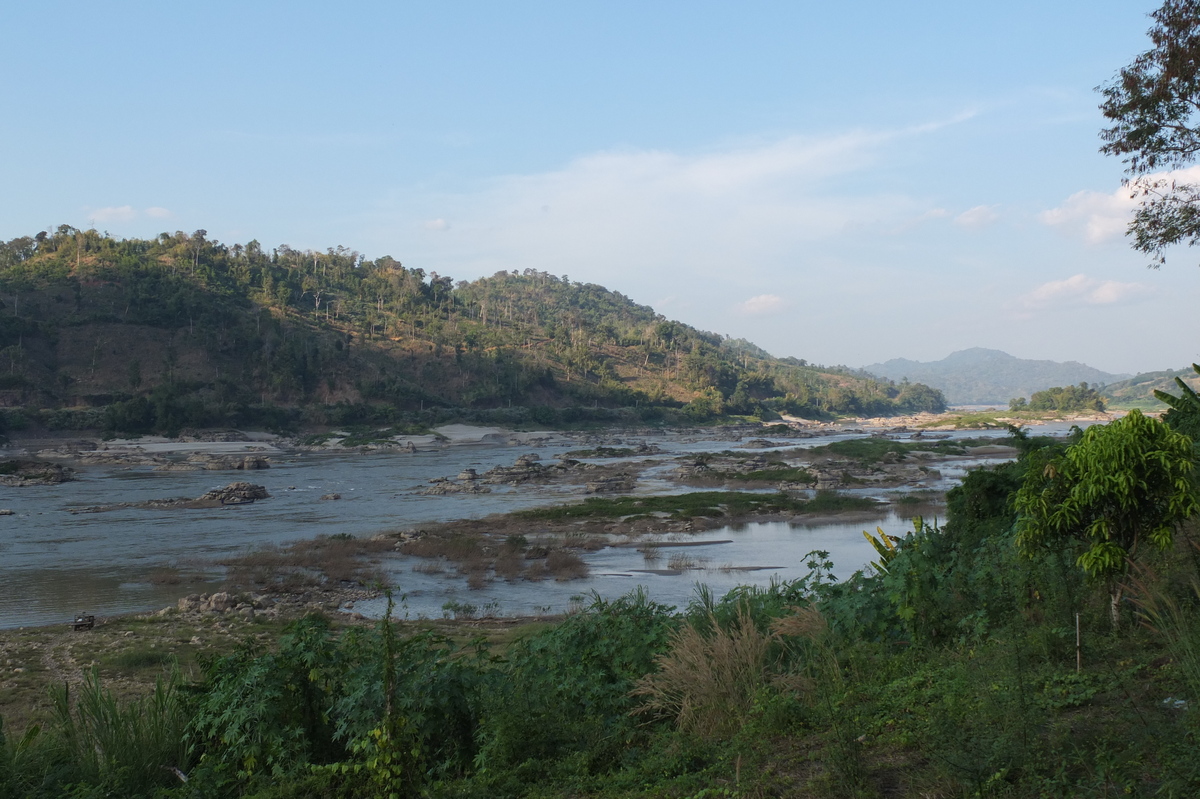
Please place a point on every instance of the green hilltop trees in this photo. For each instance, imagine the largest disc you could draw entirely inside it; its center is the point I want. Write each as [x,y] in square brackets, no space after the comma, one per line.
[1065,399]
[183,330]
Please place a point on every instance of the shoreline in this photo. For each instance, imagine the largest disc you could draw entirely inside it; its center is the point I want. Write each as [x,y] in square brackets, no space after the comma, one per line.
[89,445]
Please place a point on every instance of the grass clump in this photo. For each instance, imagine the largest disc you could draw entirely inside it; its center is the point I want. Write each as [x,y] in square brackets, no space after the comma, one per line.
[138,659]
[881,450]
[774,472]
[707,680]
[713,504]
[324,560]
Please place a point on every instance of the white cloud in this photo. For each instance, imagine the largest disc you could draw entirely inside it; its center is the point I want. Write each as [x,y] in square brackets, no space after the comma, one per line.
[1081,290]
[628,217]
[980,216]
[762,305]
[155,212]
[435,224]
[120,213]
[1099,217]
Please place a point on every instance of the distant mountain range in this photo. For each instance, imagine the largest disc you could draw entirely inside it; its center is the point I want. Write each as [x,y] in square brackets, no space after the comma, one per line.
[980,376]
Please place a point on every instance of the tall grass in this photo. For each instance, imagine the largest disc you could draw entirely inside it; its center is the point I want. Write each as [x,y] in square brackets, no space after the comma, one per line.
[707,681]
[129,749]
[1175,621]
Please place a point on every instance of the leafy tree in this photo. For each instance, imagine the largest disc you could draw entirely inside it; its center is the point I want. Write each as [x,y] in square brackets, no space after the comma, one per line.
[1154,105]
[1122,484]
[1184,414]
[1062,398]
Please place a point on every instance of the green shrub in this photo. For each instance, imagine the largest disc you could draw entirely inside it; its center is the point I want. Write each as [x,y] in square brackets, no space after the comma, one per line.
[563,695]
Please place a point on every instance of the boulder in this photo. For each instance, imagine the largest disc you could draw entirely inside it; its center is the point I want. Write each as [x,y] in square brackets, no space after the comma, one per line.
[235,494]
[220,602]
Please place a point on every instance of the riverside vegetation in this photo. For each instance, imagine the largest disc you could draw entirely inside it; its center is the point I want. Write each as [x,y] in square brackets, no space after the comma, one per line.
[950,668]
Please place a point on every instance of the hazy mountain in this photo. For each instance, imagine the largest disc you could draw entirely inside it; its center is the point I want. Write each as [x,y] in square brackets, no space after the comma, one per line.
[980,376]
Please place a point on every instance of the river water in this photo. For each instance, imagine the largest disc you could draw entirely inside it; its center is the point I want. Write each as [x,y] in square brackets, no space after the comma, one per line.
[54,563]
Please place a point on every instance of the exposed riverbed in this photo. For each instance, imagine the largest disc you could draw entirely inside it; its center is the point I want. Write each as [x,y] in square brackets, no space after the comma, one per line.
[57,561]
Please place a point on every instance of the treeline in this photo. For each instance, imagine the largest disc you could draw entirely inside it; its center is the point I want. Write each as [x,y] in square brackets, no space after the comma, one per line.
[89,319]
[983,657]
[1065,399]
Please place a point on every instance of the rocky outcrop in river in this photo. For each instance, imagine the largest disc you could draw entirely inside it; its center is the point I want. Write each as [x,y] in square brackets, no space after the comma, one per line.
[240,493]
[216,463]
[19,473]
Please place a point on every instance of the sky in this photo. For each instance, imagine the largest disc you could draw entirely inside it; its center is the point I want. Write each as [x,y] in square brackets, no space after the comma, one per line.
[844,183]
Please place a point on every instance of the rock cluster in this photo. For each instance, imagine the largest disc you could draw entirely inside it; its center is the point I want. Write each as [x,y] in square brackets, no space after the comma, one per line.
[708,467]
[223,602]
[442,485]
[216,463]
[760,443]
[235,493]
[19,473]
[526,469]
[287,605]
[619,482]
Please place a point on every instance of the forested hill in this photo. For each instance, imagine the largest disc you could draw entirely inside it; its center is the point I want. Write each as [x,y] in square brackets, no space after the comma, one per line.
[184,330]
[1138,392]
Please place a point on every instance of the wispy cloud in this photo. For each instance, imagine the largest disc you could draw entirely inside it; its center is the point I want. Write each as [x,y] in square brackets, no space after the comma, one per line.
[1099,217]
[980,216]
[1080,290]
[762,305]
[629,216]
[154,212]
[435,224]
[117,213]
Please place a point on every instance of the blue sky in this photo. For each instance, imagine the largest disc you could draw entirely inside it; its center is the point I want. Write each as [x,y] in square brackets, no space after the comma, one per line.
[845,184]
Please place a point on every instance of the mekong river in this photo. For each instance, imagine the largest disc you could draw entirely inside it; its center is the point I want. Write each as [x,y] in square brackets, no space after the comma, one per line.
[54,563]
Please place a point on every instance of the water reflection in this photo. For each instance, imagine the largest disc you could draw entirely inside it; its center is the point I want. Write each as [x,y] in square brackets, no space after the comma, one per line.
[780,547]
